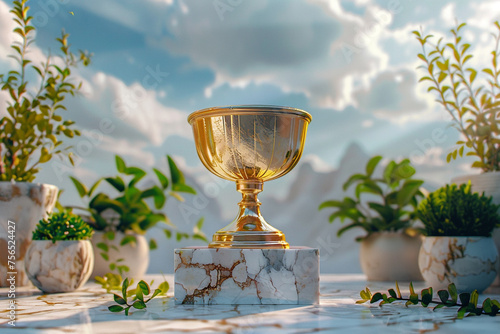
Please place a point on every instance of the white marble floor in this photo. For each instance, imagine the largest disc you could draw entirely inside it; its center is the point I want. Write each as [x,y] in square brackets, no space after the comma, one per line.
[85,311]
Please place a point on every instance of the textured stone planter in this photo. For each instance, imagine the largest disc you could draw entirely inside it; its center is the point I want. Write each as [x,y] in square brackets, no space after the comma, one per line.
[62,266]
[25,204]
[390,256]
[134,255]
[469,262]
[489,183]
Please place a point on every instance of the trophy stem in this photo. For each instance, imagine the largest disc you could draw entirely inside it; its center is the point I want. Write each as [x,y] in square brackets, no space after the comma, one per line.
[249,229]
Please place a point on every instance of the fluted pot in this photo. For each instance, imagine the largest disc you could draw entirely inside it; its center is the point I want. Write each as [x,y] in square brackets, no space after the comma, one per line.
[471,263]
[489,183]
[134,255]
[24,205]
[62,266]
[390,256]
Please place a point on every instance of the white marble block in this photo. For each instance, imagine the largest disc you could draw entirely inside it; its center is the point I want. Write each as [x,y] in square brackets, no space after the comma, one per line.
[246,276]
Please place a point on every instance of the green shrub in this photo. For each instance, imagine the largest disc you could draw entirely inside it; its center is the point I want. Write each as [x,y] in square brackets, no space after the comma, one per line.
[62,226]
[457,211]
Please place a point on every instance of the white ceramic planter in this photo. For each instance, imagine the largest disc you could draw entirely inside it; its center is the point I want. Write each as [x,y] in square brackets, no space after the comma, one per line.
[134,255]
[25,204]
[62,266]
[489,183]
[390,256]
[469,262]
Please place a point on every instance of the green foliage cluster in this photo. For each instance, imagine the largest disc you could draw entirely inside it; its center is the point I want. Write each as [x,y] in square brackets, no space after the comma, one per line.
[457,211]
[474,108]
[130,205]
[468,302]
[31,132]
[396,192]
[62,226]
[138,296]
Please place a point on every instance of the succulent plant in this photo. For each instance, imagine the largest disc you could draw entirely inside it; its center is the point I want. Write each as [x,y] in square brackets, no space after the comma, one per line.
[457,211]
[62,225]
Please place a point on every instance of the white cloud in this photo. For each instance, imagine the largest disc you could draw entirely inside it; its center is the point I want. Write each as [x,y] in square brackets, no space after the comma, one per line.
[261,42]
[132,110]
[390,95]
[6,35]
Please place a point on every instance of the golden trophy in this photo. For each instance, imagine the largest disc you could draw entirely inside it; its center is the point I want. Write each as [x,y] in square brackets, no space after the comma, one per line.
[249,144]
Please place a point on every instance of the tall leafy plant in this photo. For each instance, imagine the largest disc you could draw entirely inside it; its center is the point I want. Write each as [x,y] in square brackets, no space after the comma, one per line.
[383,203]
[128,207]
[474,107]
[32,132]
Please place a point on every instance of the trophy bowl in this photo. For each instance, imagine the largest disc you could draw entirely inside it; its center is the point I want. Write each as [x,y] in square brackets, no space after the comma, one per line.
[249,144]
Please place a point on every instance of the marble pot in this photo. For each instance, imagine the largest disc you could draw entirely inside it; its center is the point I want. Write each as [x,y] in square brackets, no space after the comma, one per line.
[471,263]
[62,266]
[390,256]
[25,204]
[489,183]
[134,255]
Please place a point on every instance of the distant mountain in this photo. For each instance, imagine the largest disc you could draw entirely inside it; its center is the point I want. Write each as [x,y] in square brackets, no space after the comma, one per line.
[291,207]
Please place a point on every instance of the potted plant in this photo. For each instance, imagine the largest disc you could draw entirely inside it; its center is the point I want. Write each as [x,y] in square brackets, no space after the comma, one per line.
[31,133]
[60,258]
[121,220]
[471,96]
[457,247]
[390,247]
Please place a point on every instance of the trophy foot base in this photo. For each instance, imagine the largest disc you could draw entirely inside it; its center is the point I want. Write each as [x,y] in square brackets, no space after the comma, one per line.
[210,276]
[247,239]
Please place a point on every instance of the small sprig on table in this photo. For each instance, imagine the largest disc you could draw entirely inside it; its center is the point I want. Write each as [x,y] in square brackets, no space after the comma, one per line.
[138,296]
[468,301]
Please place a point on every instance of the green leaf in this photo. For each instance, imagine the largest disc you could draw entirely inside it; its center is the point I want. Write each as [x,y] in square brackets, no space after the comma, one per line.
[372,164]
[464,298]
[408,191]
[120,164]
[162,178]
[116,182]
[119,299]
[376,297]
[163,287]
[144,287]
[443,295]
[354,178]
[426,296]
[183,188]
[393,293]
[452,289]
[152,244]
[124,288]
[175,174]
[115,308]
[103,246]
[80,187]
[128,239]
[139,304]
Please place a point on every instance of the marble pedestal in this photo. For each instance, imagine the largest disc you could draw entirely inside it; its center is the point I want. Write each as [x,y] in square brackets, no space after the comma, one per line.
[246,276]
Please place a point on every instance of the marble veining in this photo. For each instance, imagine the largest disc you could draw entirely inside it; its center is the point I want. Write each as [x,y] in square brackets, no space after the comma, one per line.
[246,276]
[85,311]
[469,262]
[61,266]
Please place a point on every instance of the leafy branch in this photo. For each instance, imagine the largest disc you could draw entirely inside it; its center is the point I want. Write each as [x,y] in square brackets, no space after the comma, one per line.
[31,133]
[473,108]
[136,298]
[467,302]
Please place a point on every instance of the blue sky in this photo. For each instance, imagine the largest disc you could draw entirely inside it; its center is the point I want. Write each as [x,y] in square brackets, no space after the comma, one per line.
[351,64]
